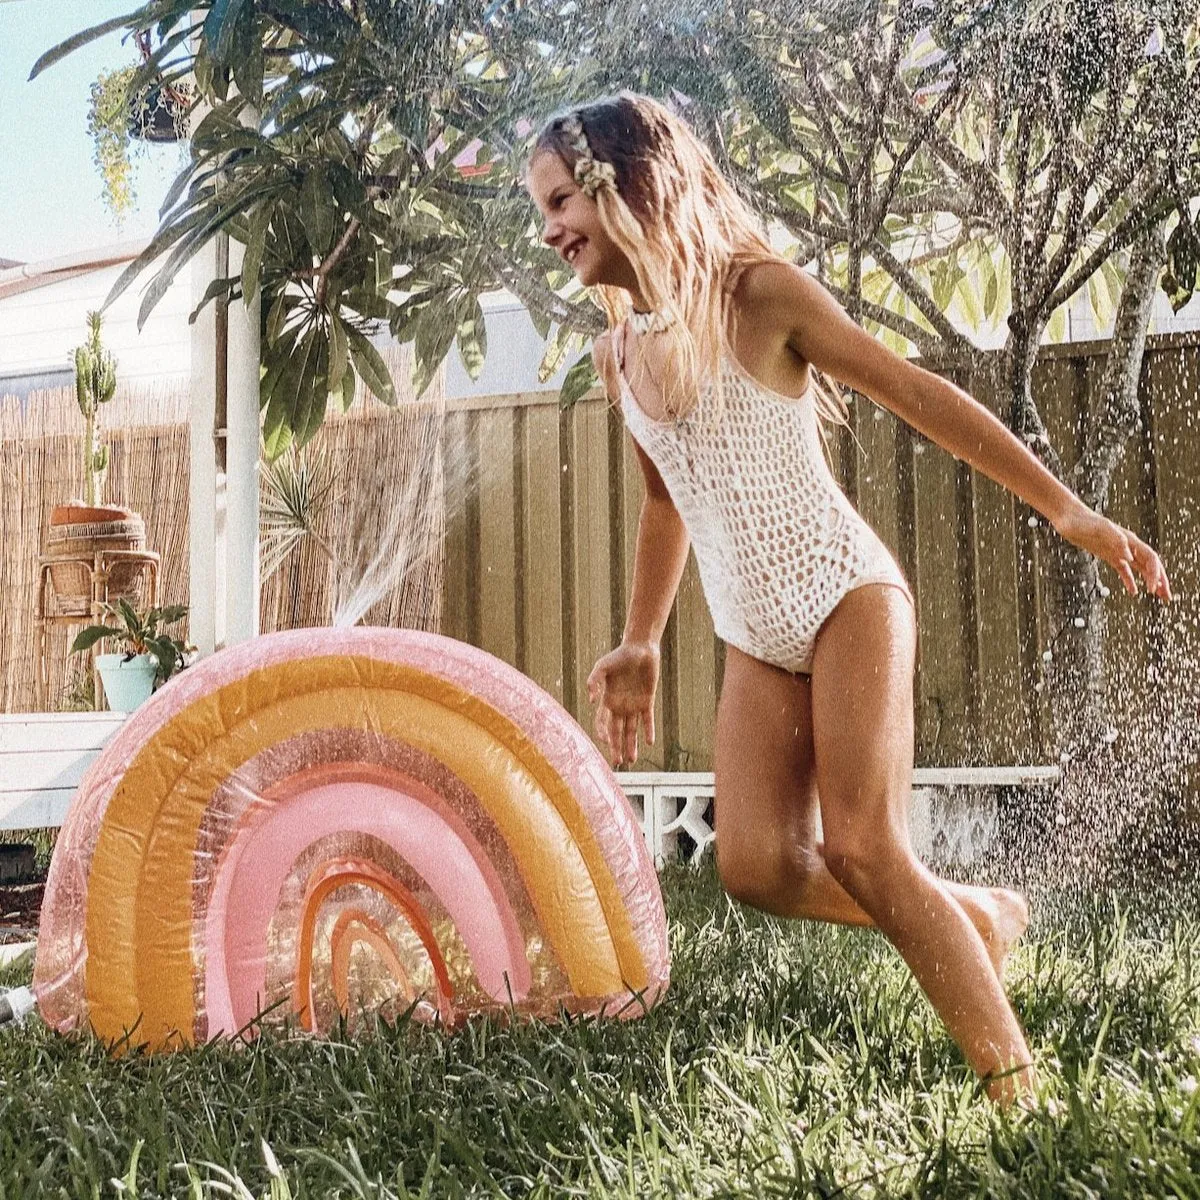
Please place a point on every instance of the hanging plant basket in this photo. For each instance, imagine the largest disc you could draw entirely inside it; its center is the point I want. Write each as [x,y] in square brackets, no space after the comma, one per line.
[157,115]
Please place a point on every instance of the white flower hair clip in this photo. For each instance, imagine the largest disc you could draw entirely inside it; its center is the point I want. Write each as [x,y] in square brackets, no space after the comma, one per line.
[589,174]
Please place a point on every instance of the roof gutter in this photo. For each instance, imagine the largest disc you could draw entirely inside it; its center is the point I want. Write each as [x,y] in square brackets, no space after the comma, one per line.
[28,276]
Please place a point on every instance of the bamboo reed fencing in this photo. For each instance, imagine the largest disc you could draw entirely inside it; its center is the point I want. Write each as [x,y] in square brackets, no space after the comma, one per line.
[371,455]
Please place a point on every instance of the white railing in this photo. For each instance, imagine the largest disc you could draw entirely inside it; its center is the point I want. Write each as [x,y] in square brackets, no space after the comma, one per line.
[954,816]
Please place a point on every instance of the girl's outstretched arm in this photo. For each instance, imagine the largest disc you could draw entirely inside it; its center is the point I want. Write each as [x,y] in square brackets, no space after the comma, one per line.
[821,332]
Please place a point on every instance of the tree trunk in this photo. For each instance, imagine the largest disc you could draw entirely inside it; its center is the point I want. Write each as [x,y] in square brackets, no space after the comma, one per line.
[1074,602]
[1115,415]
[1073,654]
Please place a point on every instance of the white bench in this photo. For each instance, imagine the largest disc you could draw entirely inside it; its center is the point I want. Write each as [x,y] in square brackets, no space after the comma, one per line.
[42,759]
[954,814]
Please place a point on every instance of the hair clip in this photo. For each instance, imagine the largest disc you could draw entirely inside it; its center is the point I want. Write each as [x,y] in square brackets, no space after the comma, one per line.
[589,174]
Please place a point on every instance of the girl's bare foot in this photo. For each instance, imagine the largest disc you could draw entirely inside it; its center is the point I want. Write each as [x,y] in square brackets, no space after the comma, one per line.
[1009,917]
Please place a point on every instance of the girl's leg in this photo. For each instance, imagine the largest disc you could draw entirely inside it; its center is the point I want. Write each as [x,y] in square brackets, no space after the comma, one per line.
[766,808]
[863,742]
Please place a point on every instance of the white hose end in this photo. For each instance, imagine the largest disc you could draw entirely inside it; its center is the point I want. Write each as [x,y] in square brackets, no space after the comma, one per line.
[16,1004]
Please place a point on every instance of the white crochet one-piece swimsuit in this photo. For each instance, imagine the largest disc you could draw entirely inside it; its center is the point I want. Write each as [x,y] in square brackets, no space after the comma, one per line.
[777,541]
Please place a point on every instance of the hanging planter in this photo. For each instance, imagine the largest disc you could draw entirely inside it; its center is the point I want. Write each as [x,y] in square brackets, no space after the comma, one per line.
[158,114]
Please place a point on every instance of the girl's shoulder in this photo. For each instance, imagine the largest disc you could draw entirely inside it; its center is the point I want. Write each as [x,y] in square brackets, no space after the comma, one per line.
[758,287]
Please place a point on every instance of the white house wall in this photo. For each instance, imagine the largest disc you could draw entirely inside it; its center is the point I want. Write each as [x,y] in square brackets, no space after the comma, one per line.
[515,349]
[40,327]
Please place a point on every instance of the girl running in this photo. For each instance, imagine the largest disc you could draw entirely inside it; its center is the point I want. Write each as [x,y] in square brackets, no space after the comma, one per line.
[712,341]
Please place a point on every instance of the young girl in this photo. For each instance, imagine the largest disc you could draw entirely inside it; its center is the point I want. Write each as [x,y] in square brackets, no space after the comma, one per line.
[710,348]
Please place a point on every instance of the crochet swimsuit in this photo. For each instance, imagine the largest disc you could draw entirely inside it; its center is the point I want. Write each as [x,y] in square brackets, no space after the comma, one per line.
[777,542]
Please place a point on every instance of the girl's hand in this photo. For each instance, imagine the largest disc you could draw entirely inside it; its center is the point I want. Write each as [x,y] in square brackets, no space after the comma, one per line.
[622,685]
[1124,551]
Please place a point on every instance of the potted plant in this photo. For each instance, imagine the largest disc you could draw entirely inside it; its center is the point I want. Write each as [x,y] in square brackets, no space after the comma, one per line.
[148,653]
[120,116]
[79,528]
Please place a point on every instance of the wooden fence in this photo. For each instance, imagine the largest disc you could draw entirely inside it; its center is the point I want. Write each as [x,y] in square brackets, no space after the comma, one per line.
[539,556]
[540,514]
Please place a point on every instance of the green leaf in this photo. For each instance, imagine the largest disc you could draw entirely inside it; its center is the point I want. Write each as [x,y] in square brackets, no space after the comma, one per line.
[248,62]
[285,397]
[129,615]
[472,340]
[339,351]
[87,638]
[219,28]
[348,382]
[991,293]
[371,367]
[580,379]
[256,242]
[76,40]
[558,349]
[278,355]
[434,337]
[317,210]
[276,317]
[313,398]
[167,654]
[218,287]
[382,262]
[541,322]
[1057,325]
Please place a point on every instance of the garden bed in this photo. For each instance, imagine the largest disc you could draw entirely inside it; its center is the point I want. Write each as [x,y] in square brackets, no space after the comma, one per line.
[20,906]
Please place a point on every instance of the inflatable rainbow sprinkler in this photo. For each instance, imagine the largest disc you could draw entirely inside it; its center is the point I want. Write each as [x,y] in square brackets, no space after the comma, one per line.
[326,823]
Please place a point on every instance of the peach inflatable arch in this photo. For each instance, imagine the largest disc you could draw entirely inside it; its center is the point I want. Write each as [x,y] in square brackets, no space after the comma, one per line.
[322,822]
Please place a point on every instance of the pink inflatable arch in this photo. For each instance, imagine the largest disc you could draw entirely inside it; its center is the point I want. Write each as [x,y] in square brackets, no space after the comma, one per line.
[325,822]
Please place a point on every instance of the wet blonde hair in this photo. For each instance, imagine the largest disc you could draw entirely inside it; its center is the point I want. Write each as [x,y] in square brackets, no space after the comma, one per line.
[686,232]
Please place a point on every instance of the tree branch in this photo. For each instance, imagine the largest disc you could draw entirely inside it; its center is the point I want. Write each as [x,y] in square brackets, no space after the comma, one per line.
[912,288]
[1138,219]
[335,256]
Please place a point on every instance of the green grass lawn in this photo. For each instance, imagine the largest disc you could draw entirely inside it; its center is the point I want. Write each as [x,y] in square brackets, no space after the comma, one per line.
[788,1059]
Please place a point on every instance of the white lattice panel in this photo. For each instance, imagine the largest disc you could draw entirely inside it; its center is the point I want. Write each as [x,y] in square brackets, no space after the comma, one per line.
[954,818]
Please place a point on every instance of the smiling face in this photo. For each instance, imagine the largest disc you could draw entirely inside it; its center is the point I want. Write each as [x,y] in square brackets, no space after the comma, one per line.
[572,224]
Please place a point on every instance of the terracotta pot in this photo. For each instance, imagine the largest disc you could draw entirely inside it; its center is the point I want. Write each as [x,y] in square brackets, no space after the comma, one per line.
[77,531]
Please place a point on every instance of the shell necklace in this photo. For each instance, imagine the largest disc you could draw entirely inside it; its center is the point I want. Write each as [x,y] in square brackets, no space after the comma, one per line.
[649,322]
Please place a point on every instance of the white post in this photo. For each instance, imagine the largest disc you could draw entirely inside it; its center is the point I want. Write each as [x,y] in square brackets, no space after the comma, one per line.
[206,486]
[242,444]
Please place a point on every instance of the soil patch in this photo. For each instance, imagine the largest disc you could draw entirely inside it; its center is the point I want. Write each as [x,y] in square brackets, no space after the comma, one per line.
[20,908]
